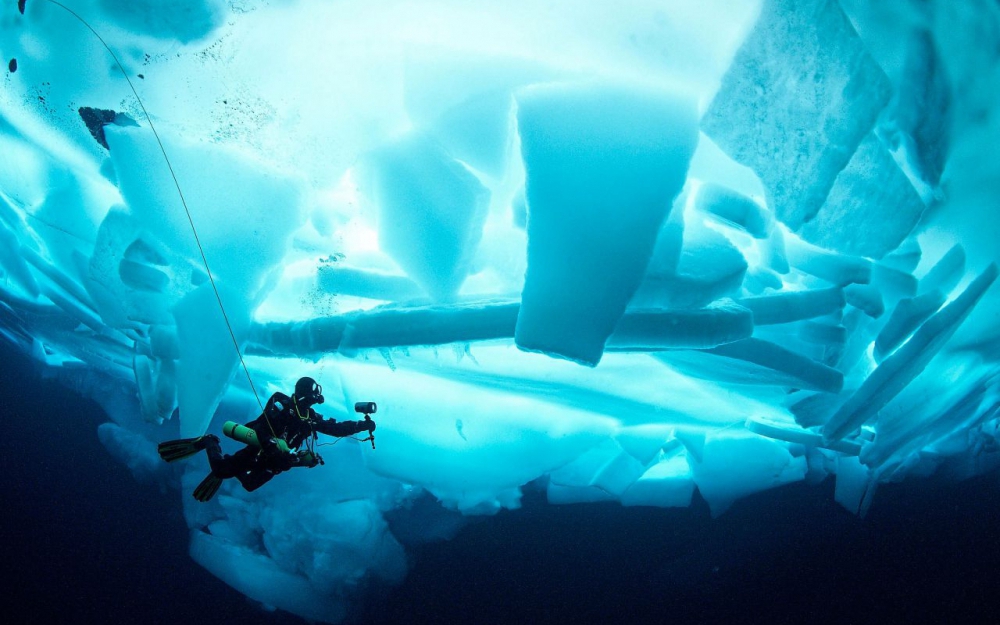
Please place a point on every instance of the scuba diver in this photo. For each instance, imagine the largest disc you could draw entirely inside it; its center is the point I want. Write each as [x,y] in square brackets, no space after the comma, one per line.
[273,440]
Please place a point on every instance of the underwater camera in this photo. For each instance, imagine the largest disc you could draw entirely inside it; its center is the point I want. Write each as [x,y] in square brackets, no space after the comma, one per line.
[365,407]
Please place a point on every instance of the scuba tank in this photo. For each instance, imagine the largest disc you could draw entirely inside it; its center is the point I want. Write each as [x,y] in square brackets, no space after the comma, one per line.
[247,436]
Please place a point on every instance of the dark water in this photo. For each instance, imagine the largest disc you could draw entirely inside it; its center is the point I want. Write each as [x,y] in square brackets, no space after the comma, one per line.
[84,543]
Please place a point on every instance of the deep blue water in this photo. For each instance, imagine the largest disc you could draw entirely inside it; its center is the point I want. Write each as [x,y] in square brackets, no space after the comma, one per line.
[85,543]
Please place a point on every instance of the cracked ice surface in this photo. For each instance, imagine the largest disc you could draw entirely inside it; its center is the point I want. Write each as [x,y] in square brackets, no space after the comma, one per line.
[632,253]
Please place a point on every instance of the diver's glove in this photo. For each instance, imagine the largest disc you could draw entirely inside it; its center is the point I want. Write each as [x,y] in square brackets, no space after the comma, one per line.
[278,461]
[367,425]
[306,458]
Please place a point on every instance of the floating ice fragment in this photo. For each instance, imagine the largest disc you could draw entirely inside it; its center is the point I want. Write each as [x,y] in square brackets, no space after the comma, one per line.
[361,283]
[945,274]
[754,361]
[604,162]
[207,360]
[906,317]
[431,211]
[666,484]
[865,297]
[717,324]
[871,208]
[797,101]
[893,283]
[705,268]
[736,464]
[837,268]
[897,371]
[734,209]
[790,306]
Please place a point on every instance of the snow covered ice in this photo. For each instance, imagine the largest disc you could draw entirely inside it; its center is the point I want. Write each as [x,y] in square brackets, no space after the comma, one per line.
[641,252]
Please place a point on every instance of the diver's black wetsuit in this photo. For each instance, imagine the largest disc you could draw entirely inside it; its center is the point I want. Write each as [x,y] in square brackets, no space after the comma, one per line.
[290,421]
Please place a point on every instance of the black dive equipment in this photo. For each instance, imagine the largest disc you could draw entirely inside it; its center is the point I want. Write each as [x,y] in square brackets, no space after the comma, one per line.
[247,436]
[367,408]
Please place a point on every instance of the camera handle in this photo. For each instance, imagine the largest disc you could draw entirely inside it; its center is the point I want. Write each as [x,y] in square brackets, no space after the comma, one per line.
[371,435]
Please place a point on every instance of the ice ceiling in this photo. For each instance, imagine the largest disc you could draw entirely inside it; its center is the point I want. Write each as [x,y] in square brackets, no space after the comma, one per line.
[629,251]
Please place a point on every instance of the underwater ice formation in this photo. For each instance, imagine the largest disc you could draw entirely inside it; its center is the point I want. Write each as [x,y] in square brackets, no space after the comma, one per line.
[640,253]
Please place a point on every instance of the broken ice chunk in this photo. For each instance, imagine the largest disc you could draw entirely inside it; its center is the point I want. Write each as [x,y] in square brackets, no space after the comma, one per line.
[791,433]
[603,164]
[946,272]
[923,107]
[897,371]
[800,96]
[906,257]
[775,256]
[666,484]
[708,268]
[759,279]
[871,208]
[655,329]
[906,317]
[951,399]
[791,306]
[430,325]
[207,358]
[753,361]
[734,208]
[618,474]
[644,442]
[464,101]
[125,259]
[866,298]
[823,333]
[397,325]
[854,485]
[814,408]
[830,266]
[232,198]
[478,131]
[573,482]
[892,282]
[361,283]
[431,211]
[734,465]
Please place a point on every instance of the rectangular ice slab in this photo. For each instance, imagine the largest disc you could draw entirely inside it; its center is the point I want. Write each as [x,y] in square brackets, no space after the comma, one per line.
[666,484]
[837,268]
[734,209]
[603,164]
[690,266]
[871,208]
[207,359]
[907,362]
[720,323]
[403,326]
[736,464]
[791,306]
[908,314]
[753,361]
[431,211]
[362,283]
[800,96]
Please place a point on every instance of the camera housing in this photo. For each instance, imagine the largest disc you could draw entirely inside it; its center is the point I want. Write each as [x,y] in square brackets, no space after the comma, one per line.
[365,407]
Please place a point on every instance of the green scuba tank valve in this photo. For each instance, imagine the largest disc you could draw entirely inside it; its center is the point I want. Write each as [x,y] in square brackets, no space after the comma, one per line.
[247,436]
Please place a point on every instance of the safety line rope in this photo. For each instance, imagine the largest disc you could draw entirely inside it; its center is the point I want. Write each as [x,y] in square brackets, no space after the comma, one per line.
[173,175]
